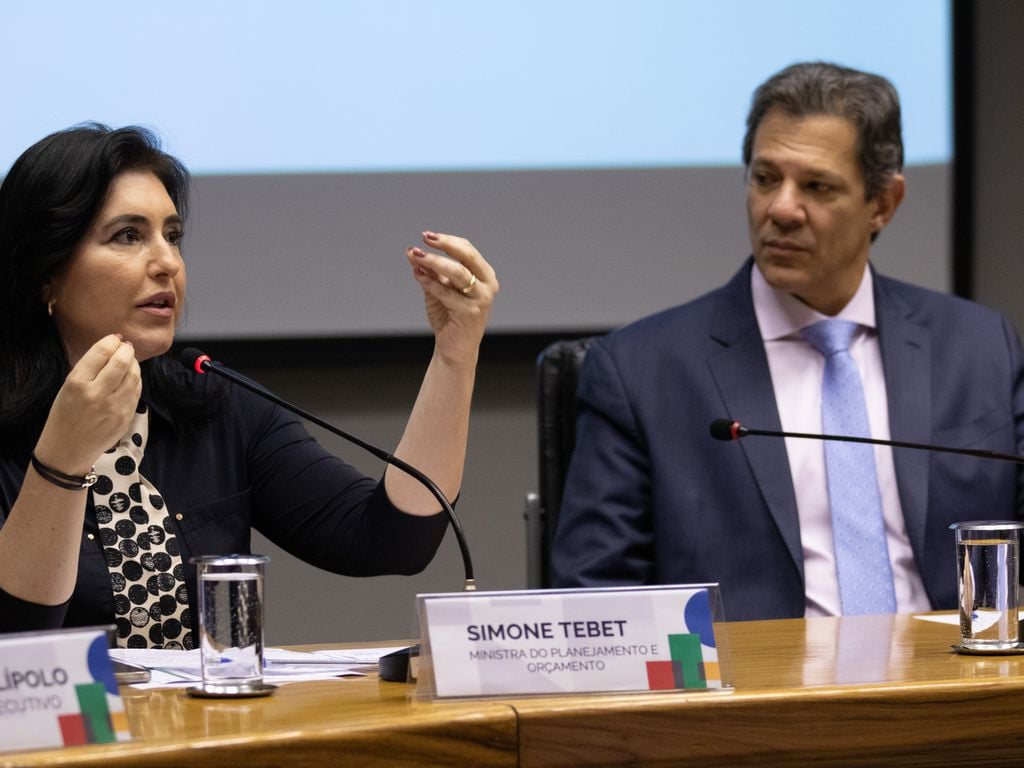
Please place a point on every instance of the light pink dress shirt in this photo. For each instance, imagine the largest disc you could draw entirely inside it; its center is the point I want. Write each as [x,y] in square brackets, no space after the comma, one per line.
[796,371]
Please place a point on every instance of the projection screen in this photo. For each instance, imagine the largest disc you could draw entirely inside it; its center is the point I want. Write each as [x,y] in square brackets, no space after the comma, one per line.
[591,150]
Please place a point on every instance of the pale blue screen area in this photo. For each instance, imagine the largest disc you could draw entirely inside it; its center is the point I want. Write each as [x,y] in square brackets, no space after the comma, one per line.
[451,84]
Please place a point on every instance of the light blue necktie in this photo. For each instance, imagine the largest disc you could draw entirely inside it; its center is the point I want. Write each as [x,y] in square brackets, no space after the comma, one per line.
[858,530]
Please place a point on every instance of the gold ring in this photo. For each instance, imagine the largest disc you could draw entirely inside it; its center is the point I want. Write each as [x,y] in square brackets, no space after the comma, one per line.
[472,284]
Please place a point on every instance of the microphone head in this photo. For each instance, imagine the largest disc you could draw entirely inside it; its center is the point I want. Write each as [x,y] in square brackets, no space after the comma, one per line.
[194,360]
[726,429]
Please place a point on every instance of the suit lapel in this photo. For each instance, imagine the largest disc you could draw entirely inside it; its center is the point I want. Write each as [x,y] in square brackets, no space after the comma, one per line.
[740,371]
[907,363]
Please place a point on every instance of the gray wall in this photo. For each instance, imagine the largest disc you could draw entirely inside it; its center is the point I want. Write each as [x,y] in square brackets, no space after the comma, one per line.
[998,205]
[575,249]
[372,400]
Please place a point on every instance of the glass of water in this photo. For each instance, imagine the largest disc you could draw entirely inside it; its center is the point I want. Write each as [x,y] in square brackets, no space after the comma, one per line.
[988,572]
[231,624]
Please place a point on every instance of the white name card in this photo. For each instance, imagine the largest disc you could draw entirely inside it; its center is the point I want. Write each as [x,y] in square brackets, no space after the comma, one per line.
[58,689]
[569,641]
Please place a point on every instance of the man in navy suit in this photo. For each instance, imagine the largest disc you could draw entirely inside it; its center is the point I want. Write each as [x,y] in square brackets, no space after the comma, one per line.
[652,499]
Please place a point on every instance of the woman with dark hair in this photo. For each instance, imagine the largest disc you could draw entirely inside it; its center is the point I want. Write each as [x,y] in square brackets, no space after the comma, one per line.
[117,466]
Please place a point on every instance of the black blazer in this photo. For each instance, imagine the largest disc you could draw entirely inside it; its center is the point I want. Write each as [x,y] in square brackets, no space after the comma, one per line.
[253,465]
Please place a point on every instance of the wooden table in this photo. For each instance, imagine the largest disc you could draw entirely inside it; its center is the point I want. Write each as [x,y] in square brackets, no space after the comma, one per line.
[349,722]
[859,691]
[855,691]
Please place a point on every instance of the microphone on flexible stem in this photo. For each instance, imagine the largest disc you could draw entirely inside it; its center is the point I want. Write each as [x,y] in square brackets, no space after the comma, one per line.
[727,429]
[394,666]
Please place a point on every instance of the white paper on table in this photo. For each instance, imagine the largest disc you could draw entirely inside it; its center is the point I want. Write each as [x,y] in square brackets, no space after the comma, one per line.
[182,668]
[978,623]
[329,656]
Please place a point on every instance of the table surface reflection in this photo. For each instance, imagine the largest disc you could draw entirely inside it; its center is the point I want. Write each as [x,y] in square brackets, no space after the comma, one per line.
[876,690]
[856,691]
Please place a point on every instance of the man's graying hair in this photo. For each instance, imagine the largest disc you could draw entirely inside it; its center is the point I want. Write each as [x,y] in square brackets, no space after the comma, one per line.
[869,101]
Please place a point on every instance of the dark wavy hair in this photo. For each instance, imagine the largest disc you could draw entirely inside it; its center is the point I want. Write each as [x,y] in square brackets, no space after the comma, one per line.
[869,101]
[48,201]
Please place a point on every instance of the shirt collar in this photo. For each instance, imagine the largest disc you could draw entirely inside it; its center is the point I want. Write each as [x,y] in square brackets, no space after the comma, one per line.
[781,315]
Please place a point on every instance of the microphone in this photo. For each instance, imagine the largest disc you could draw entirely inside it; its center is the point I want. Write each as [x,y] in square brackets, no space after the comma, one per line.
[194,360]
[398,666]
[727,429]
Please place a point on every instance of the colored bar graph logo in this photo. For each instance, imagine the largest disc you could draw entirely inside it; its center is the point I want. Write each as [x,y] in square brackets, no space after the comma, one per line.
[687,668]
[92,725]
[684,670]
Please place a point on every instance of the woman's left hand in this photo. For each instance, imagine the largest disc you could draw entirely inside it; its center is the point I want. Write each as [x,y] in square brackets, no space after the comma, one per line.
[458,286]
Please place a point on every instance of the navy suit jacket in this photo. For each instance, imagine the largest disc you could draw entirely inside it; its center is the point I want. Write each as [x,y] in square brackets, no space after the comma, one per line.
[651,498]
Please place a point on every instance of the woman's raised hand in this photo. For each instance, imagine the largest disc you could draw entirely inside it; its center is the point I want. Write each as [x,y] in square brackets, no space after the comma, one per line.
[93,408]
[459,287]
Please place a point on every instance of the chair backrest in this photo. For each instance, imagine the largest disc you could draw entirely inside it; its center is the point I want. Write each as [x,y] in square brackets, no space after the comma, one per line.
[558,369]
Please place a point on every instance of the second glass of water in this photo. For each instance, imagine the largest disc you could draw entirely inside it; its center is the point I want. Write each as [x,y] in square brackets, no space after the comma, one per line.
[231,623]
[988,572]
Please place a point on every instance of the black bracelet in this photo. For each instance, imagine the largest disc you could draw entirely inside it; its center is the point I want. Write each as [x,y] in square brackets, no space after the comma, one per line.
[68,482]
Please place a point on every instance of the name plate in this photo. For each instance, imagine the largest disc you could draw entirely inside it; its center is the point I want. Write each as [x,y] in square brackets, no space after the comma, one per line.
[58,689]
[569,641]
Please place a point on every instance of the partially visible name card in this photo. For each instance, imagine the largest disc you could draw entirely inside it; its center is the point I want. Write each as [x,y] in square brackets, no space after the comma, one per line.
[58,689]
[569,641]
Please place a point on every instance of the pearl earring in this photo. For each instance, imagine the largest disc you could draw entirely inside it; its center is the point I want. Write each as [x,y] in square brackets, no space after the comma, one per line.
[49,307]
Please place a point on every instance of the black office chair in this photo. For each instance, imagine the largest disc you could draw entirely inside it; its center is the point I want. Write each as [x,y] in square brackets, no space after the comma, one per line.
[558,369]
